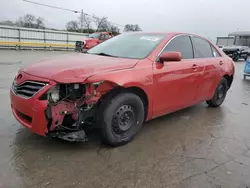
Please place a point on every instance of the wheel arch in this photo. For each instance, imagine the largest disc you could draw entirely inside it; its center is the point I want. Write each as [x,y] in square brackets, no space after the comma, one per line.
[132,89]
[143,96]
[229,79]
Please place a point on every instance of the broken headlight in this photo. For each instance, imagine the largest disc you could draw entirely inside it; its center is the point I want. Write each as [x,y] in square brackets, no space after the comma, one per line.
[65,92]
[53,95]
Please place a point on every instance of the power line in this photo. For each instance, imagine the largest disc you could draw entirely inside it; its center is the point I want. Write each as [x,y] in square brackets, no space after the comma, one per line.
[75,11]
[70,10]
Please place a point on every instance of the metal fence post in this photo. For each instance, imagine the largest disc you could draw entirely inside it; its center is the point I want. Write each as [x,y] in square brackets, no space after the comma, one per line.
[44,38]
[67,41]
[19,38]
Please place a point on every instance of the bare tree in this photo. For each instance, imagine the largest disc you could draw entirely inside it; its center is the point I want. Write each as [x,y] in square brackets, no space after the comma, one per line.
[137,28]
[30,21]
[72,26]
[39,23]
[8,22]
[114,29]
[102,24]
[87,21]
[131,27]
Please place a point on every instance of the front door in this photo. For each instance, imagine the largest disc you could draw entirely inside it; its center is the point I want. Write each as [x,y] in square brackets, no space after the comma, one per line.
[176,83]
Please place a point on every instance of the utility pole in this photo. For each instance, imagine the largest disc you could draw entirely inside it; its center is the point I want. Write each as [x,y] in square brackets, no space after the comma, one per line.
[81,20]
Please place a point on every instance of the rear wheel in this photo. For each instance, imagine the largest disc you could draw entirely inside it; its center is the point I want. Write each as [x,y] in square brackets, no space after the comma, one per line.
[121,118]
[220,94]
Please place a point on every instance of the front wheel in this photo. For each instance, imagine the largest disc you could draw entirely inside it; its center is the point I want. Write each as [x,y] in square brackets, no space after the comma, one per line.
[121,118]
[220,94]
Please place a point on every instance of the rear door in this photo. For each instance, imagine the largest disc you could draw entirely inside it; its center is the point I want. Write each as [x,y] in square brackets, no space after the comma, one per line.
[176,83]
[209,58]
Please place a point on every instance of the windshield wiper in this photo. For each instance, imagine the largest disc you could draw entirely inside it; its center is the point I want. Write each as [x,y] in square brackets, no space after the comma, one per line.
[104,54]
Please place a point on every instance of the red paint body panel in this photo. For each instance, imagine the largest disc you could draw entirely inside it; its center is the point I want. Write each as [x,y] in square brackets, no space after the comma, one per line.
[169,87]
[32,108]
[77,67]
[175,86]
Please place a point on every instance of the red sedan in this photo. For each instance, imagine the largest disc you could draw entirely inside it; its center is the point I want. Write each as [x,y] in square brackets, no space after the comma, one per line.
[92,40]
[119,84]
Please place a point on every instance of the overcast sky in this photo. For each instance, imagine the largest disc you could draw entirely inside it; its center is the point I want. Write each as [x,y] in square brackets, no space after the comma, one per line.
[209,18]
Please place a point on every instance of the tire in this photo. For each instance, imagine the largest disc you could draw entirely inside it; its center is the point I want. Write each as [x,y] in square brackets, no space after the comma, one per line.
[121,118]
[244,77]
[219,94]
[235,57]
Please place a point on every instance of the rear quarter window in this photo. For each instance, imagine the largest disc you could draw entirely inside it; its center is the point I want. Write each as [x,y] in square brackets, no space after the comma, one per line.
[215,52]
[202,48]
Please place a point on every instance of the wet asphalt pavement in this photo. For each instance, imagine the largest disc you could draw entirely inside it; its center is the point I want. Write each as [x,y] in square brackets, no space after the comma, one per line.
[198,147]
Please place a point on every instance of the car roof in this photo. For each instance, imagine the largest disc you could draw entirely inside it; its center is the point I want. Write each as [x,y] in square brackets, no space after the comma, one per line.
[164,33]
[161,33]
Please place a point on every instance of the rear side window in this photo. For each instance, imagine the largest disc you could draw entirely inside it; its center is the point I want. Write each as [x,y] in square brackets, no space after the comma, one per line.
[202,48]
[215,52]
[181,44]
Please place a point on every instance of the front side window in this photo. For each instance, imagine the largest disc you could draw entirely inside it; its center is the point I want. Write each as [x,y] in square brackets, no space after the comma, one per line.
[181,44]
[135,46]
[202,48]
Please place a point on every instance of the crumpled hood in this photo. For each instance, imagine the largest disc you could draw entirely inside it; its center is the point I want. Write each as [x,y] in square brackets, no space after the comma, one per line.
[77,67]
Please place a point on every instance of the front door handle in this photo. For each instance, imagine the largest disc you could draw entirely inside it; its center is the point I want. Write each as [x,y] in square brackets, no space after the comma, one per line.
[221,63]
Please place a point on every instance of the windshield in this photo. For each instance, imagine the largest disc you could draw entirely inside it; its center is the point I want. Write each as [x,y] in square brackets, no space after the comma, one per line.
[135,46]
[95,35]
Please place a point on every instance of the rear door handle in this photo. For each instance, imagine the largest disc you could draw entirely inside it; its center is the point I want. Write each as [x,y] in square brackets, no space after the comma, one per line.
[194,66]
[221,62]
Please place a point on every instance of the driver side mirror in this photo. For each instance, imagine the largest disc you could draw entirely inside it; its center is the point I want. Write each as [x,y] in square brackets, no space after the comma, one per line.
[170,56]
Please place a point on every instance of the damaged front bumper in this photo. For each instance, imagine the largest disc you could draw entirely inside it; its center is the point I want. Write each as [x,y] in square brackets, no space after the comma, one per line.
[57,110]
[65,120]
[31,113]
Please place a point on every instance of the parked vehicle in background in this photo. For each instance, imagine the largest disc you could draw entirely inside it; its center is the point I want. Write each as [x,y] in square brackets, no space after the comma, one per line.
[236,52]
[225,41]
[119,84]
[246,71]
[92,40]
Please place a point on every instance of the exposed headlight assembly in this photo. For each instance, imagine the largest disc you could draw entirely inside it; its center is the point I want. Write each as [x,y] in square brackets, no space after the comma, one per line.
[53,94]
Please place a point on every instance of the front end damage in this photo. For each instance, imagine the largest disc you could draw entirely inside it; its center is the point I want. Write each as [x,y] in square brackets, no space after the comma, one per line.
[72,108]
